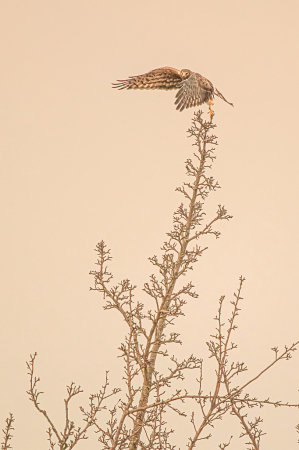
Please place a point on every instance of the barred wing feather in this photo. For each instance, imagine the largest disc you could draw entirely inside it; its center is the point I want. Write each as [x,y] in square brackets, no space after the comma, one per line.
[164,78]
[191,93]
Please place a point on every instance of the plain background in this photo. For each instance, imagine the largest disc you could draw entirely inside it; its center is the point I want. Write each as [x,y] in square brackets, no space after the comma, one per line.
[81,162]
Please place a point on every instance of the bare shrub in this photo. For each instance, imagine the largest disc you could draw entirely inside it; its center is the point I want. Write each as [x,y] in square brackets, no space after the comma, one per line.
[139,419]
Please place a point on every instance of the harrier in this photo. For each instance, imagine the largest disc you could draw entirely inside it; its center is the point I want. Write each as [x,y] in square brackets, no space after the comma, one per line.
[193,88]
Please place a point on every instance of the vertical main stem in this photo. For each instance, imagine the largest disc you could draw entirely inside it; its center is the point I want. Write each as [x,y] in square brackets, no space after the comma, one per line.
[159,324]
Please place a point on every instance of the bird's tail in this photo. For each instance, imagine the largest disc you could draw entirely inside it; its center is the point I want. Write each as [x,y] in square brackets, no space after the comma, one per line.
[216,92]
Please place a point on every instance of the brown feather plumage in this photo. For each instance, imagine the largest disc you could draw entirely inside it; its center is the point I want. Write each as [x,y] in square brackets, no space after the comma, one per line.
[163,78]
[193,88]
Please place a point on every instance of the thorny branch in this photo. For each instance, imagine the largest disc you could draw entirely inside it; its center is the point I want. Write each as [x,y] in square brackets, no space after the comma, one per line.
[5,445]
[71,435]
[219,349]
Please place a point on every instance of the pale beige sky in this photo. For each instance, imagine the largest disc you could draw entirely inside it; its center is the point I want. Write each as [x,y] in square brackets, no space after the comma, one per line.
[81,162]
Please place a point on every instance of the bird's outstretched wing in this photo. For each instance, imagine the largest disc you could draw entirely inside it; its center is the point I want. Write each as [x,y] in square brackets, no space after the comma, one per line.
[194,91]
[163,78]
[216,92]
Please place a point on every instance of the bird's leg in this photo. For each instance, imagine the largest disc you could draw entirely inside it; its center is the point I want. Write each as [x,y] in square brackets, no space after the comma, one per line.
[210,102]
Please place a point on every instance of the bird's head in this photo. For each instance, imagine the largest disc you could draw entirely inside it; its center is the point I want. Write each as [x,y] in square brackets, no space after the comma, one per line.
[185,73]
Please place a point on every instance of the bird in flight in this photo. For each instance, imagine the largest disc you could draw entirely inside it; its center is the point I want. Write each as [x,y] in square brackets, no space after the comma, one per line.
[193,88]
